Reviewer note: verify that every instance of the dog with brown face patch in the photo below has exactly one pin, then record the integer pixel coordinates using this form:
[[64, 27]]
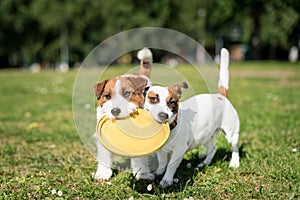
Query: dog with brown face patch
[[193, 122], [119, 98]]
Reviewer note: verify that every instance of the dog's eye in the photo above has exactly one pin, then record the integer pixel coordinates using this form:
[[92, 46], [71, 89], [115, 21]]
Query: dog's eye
[[173, 103], [107, 96], [126, 93], [153, 99]]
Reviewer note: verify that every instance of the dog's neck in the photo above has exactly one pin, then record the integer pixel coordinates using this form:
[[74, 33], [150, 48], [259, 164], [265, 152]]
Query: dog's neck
[[173, 121]]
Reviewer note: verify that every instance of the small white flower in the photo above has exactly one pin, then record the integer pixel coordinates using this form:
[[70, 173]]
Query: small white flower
[[294, 150], [269, 95], [130, 198], [87, 106], [189, 165], [149, 187], [108, 183], [53, 191], [59, 193], [185, 199], [176, 180], [191, 198], [93, 174]]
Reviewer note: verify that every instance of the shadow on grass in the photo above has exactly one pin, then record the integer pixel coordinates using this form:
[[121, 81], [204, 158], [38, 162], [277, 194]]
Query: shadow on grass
[[183, 174]]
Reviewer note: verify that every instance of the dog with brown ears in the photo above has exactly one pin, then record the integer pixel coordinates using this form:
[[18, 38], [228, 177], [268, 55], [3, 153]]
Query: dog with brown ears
[[194, 122], [118, 98]]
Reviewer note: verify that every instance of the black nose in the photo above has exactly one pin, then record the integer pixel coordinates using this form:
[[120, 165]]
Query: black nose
[[163, 116], [115, 111]]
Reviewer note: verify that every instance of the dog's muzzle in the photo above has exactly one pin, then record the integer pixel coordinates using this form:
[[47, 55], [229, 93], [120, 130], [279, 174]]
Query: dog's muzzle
[[163, 117], [115, 111]]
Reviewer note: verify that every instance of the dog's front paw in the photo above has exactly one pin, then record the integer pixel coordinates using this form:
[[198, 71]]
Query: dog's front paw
[[201, 165], [159, 171], [103, 173], [145, 176], [165, 183]]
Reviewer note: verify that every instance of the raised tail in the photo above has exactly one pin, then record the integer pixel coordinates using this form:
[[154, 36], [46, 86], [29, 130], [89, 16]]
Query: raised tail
[[145, 57], [223, 84]]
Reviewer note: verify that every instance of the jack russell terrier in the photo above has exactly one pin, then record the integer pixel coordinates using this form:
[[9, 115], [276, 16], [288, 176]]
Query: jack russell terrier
[[198, 120], [118, 98]]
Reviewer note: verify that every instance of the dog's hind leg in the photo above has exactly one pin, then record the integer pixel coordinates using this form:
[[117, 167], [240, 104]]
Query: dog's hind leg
[[235, 158], [231, 128], [232, 136], [211, 151]]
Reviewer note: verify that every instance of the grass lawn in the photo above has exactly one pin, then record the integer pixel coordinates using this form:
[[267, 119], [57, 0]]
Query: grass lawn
[[42, 157]]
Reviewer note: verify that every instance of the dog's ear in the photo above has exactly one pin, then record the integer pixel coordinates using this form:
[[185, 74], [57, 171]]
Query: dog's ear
[[178, 87], [139, 84], [99, 88]]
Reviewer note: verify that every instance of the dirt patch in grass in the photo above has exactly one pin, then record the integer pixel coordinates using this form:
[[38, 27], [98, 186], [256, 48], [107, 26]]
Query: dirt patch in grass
[[262, 73]]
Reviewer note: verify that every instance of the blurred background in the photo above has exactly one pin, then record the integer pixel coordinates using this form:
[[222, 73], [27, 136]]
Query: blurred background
[[45, 34]]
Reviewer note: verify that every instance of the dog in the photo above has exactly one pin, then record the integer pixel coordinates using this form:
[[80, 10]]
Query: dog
[[118, 98], [198, 120]]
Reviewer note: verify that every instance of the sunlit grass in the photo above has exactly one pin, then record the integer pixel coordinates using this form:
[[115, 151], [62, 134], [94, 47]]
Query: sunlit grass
[[40, 150]]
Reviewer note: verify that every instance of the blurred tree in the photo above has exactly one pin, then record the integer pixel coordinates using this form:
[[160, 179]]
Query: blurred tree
[[258, 23], [39, 30], [16, 32], [66, 24]]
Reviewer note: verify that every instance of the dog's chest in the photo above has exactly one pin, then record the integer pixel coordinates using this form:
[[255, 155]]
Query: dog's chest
[[198, 119]]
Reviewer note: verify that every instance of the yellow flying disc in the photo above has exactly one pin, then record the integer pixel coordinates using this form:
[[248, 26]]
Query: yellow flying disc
[[137, 135]]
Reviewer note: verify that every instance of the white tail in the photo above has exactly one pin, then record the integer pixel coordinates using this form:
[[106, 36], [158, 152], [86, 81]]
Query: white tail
[[145, 57], [223, 84]]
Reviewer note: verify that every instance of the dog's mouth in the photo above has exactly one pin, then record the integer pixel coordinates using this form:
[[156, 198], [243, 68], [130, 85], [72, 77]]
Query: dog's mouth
[[117, 113]]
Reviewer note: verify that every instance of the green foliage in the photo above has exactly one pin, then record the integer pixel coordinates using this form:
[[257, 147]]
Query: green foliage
[[35, 30], [277, 24], [41, 153]]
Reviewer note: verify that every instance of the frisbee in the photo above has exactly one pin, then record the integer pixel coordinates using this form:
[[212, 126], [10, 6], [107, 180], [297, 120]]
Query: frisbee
[[135, 136]]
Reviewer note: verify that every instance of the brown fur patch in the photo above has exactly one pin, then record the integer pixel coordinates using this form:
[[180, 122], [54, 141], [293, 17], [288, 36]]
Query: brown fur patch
[[178, 87], [137, 100], [172, 100], [153, 98], [223, 91], [108, 92], [99, 88], [132, 88], [145, 68], [134, 83]]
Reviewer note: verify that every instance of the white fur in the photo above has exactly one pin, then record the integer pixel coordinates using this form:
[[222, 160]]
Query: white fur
[[199, 119], [224, 69], [161, 106], [104, 157], [145, 55], [118, 101]]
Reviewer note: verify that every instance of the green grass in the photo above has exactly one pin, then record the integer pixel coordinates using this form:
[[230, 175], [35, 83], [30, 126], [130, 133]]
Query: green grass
[[40, 150]]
